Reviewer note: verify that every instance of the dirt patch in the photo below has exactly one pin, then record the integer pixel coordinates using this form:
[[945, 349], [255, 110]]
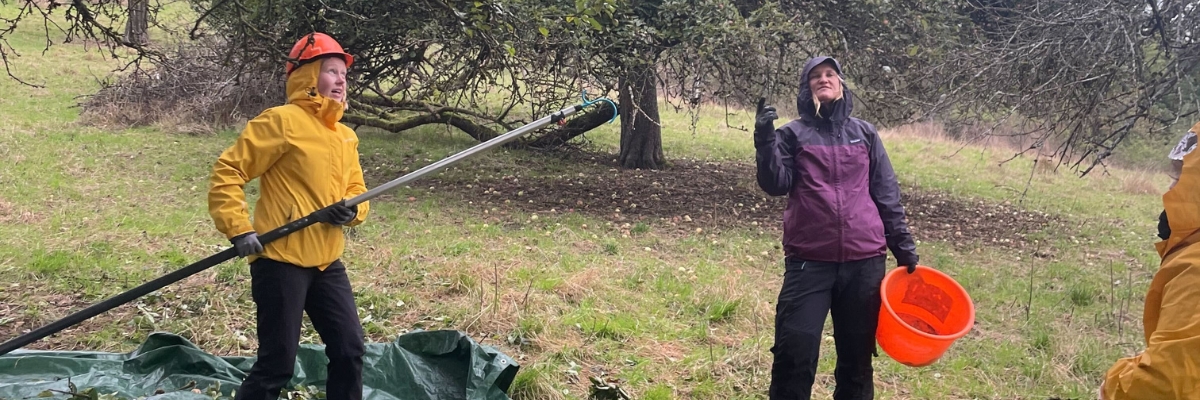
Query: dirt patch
[[942, 217], [707, 195]]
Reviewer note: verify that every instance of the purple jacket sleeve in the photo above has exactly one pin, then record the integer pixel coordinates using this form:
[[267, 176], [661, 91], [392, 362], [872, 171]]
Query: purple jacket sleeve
[[885, 190], [775, 161]]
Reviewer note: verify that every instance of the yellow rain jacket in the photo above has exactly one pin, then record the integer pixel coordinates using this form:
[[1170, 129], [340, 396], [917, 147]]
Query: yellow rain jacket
[[1169, 368], [305, 160]]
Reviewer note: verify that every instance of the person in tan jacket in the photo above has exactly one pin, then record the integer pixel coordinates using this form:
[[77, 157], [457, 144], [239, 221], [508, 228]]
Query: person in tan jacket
[[304, 160], [1169, 366]]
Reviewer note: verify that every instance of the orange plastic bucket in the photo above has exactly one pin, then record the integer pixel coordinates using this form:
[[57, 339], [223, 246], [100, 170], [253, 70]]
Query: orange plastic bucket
[[921, 315]]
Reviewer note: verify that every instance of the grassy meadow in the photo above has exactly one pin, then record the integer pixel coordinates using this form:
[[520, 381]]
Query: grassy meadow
[[575, 268]]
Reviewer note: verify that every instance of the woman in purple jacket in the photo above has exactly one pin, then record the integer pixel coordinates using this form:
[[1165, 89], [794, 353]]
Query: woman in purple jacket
[[843, 214]]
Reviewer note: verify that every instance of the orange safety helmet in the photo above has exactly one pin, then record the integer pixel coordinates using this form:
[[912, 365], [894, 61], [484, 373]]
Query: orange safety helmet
[[320, 45]]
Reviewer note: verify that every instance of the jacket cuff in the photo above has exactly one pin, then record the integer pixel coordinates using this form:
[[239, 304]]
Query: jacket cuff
[[763, 135], [235, 238], [239, 230], [360, 214]]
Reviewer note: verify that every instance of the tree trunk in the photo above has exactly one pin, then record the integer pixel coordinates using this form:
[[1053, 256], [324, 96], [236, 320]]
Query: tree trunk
[[137, 26], [641, 134]]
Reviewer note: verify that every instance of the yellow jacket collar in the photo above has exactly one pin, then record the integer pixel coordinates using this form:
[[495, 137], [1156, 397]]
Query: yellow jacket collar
[[302, 91]]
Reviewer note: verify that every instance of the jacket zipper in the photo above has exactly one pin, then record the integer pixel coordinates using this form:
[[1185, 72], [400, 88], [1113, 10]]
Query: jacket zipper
[[837, 190], [336, 161]]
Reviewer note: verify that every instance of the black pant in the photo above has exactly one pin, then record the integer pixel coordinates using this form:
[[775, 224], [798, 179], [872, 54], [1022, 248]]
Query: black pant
[[810, 290], [283, 292]]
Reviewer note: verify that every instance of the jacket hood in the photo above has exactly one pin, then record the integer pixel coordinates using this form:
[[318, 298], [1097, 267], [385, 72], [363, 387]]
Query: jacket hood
[[804, 101], [1180, 204], [302, 91]]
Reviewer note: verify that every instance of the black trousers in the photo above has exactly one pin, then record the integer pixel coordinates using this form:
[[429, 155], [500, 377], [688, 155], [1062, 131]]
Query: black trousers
[[811, 290], [283, 292]]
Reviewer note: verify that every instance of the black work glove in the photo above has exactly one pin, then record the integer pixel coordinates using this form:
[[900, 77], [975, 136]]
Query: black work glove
[[1164, 227], [909, 262], [247, 244], [337, 214], [764, 117]]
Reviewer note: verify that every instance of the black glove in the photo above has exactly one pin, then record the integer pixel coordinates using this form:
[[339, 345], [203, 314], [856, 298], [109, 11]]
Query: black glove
[[337, 214], [909, 262], [764, 118], [247, 244], [1164, 227]]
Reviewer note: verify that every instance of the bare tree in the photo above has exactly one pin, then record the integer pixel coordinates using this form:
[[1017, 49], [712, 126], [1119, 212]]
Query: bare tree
[[85, 21], [1080, 76]]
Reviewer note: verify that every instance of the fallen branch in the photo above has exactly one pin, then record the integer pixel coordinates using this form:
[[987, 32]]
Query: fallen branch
[[478, 132], [575, 127], [420, 106]]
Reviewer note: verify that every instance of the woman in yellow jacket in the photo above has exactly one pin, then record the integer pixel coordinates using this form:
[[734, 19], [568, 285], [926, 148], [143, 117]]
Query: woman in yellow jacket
[[1169, 367], [305, 160]]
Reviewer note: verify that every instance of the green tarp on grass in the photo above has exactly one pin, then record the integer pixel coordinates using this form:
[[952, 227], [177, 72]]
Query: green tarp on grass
[[444, 365]]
